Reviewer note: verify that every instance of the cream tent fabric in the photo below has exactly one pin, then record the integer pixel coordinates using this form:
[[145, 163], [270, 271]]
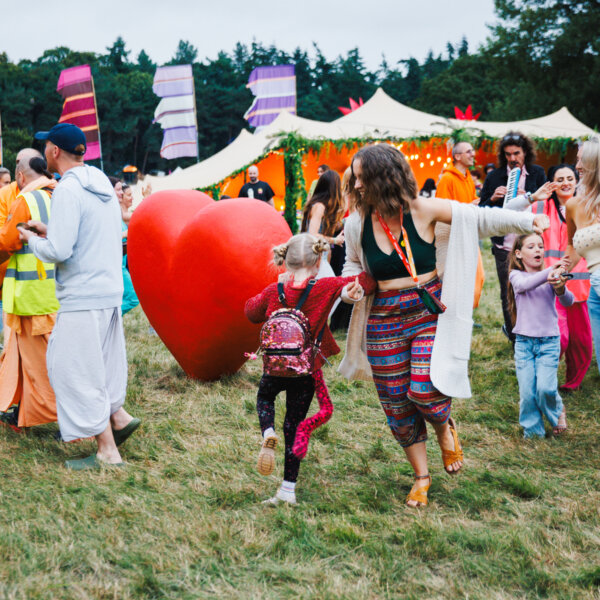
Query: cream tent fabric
[[557, 124], [242, 151], [380, 117]]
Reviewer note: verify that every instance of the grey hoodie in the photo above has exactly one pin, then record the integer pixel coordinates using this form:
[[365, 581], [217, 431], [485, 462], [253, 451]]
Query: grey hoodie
[[84, 240]]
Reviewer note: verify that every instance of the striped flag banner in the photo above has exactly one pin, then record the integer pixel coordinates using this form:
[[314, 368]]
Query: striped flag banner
[[76, 86], [176, 112], [275, 91]]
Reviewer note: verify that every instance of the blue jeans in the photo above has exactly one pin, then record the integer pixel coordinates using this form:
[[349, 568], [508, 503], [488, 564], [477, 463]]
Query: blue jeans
[[536, 360], [594, 311]]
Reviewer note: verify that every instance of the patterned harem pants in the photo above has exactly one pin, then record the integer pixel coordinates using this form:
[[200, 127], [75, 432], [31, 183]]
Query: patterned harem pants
[[400, 335]]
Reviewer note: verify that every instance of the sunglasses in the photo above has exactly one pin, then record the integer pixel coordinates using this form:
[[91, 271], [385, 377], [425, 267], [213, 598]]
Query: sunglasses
[[512, 137]]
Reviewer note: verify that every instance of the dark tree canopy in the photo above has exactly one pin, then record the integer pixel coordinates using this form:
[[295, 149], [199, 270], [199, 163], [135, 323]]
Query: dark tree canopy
[[540, 55]]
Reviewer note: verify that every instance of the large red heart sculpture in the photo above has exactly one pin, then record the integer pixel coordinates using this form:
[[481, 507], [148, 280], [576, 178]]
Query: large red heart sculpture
[[194, 263]]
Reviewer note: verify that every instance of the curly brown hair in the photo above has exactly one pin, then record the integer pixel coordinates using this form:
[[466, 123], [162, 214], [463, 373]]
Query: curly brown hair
[[388, 183], [515, 138]]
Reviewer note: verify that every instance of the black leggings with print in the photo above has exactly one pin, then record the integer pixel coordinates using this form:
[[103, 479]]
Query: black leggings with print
[[299, 395]]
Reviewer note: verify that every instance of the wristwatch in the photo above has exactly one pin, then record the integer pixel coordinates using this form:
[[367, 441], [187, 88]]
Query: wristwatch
[[529, 197]]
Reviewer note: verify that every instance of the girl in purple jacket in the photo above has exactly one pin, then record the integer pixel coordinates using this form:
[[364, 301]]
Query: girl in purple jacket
[[532, 291]]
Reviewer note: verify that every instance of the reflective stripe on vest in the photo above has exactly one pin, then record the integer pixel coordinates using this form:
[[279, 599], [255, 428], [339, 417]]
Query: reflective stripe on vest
[[555, 244], [25, 290]]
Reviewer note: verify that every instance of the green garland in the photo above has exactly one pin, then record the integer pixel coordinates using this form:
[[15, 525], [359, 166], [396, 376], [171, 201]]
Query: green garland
[[294, 147], [214, 191], [295, 186]]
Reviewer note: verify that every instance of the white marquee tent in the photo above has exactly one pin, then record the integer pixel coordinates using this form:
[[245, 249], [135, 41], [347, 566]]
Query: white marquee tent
[[380, 117]]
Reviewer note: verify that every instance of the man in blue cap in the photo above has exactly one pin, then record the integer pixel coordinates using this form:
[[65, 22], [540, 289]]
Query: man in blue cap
[[87, 365]]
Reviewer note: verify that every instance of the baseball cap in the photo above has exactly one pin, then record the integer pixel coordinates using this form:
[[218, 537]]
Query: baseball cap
[[66, 136]]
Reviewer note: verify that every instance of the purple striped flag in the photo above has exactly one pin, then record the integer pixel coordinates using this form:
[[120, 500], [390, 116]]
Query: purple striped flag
[[275, 91], [176, 112]]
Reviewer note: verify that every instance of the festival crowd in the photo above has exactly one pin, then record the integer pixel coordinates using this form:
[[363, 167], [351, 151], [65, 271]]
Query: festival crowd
[[400, 269]]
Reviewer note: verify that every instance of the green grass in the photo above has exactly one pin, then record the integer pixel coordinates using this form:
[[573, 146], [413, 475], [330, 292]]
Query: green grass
[[184, 520]]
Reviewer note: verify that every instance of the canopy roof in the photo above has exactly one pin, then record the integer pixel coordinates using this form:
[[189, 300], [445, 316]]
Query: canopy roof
[[380, 117]]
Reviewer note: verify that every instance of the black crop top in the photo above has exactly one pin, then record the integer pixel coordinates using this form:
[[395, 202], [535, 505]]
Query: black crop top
[[390, 266]]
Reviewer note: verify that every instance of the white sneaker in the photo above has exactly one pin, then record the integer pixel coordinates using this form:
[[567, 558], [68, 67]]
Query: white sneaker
[[282, 496], [266, 457]]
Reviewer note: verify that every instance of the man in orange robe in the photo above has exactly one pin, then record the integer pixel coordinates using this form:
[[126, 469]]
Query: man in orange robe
[[8, 195], [26, 396], [456, 183]]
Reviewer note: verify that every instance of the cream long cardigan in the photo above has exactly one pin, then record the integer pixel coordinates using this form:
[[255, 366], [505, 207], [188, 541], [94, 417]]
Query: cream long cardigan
[[456, 256]]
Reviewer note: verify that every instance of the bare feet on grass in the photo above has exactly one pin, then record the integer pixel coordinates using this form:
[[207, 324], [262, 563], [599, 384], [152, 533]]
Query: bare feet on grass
[[107, 450]]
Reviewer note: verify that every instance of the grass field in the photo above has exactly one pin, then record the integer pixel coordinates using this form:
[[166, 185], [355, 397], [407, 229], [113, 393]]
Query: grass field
[[184, 520]]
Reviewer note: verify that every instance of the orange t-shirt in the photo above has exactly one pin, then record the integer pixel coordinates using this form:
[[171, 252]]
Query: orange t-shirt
[[453, 185], [8, 194]]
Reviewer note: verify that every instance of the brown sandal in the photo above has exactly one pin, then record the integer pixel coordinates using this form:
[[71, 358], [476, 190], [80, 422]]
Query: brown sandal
[[561, 426], [451, 456], [420, 494]]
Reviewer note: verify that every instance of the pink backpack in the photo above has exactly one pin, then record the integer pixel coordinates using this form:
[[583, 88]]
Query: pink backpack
[[286, 343]]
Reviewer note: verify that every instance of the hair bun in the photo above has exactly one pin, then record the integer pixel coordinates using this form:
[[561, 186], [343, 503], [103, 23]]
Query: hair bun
[[320, 246], [279, 254], [38, 164]]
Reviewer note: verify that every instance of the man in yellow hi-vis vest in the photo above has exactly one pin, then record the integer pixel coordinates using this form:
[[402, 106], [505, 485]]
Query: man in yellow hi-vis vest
[[30, 304]]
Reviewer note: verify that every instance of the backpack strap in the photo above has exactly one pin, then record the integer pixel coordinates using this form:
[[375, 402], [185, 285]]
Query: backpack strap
[[281, 294], [305, 294]]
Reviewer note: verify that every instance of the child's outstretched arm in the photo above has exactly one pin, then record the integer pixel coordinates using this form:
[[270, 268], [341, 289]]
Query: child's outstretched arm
[[256, 308], [522, 281], [558, 282], [354, 291], [365, 283]]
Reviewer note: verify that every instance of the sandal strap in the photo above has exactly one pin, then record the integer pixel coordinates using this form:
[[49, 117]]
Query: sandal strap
[[428, 476], [419, 495], [452, 456]]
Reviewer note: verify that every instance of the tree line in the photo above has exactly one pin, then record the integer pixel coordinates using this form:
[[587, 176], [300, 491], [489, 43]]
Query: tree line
[[540, 55]]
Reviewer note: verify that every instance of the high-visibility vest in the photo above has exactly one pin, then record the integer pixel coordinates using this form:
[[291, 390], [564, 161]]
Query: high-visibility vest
[[29, 284], [555, 243]]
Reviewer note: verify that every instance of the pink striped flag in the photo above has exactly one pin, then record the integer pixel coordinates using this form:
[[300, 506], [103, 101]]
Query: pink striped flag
[[275, 91], [76, 86]]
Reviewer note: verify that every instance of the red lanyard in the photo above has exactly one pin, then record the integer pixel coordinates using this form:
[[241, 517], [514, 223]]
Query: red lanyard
[[408, 263]]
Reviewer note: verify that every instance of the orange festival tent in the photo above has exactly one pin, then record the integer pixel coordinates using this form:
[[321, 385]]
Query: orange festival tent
[[425, 140]]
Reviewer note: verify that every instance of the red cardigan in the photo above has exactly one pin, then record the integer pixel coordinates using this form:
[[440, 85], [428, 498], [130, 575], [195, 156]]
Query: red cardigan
[[316, 308]]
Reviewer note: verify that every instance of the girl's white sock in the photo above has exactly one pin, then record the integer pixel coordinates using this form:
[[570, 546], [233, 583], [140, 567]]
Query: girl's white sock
[[288, 486], [269, 432]]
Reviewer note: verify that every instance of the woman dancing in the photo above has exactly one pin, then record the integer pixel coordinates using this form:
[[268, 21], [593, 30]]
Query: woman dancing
[[583, 225], [417, 357]]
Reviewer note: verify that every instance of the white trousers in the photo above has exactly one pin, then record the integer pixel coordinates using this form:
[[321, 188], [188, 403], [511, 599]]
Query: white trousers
[[87, 367]]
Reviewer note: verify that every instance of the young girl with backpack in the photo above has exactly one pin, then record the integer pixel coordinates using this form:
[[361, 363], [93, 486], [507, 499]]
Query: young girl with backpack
[[532, 291], [295, 342]]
